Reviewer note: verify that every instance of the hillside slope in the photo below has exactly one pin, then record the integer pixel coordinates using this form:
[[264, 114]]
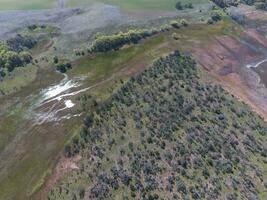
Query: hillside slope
[[169, 134]]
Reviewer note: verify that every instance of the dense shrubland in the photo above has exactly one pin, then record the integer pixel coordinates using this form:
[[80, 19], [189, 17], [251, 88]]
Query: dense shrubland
[[167, 134], [14, 53]]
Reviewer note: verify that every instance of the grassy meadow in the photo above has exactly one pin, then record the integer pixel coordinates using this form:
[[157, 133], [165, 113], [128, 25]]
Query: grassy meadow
[[128, 5], [26, 5], [160, 5]]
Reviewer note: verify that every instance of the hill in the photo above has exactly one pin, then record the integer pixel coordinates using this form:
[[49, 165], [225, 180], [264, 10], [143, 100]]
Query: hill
[[169, 134]]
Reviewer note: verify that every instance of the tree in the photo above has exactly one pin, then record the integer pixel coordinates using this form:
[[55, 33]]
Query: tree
[[26, 57], [189, 5], [81, 193], [184, 22], [63, 67], [175, 24], [215, 16], [55, 59], [2, 73], [178, 6]]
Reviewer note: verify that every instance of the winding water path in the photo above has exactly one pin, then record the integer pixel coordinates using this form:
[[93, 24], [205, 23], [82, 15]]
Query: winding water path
[[257, 64]]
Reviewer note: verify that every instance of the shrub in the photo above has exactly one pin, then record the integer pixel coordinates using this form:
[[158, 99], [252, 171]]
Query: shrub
[[55, 59], [63, 67], [179, 6], [189, 5], [175, 24], [184, 22], [215, 16], [106, 43]]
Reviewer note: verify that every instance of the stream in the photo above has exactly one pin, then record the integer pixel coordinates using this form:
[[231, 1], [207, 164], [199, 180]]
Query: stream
[[54, 102], [257, 64], [260, 68]]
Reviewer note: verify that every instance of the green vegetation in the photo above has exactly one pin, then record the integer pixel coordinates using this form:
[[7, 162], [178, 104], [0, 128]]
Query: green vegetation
[[26, 5], [259, 4], [148, 5], [226, 3], [180, 6], [168, 134], [41, 149], [13, 53], [63, 67], [126, 5], [262, 5], [215, 16], [175, 24], [104, 64], [105, 43]]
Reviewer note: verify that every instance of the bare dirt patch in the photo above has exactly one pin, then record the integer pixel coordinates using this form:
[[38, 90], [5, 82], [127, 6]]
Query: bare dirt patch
[[64, 166], [226, 59]]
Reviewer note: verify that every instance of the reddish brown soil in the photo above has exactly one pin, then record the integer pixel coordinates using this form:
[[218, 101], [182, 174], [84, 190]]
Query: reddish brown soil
[[64, 166], [226, 59]]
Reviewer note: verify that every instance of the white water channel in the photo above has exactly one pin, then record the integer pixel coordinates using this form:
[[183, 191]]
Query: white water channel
[[56, 98], [255, 65]]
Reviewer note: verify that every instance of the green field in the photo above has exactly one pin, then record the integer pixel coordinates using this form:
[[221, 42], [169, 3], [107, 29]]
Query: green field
[[160, 5], [133, 4], [164, 5], [26, 5]]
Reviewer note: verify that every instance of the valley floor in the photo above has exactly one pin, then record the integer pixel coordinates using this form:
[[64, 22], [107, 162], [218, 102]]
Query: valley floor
[[50, 110]]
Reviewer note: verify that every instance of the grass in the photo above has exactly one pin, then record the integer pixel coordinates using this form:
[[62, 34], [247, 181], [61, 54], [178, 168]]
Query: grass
[[164, 5], [104, 64], [26, 5], [19, 78], [41, 149], [160, 5], [34, 167]]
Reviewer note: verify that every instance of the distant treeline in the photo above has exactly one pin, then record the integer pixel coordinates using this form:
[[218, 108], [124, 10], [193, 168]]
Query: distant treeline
[[105, 43], [180, 6], [259, 4], [14, 53]]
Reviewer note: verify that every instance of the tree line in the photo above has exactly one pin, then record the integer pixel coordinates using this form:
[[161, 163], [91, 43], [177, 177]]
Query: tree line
[[259, 4], [105, 43], [15, 53]]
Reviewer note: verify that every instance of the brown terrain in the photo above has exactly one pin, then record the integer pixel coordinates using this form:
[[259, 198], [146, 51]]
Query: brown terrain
[[226, 57]]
